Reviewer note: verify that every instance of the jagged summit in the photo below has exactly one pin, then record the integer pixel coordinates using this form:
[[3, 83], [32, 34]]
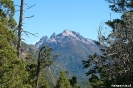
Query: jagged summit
[[64, 37], [66, 30], [53, 35], [68, 33], [44, 37]]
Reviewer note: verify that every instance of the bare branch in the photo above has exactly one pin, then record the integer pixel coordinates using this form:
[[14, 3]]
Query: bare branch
[[25, 3], [17, 10], [30, 6], [28, 17], [26, 32], [23, 39], [17, 5]]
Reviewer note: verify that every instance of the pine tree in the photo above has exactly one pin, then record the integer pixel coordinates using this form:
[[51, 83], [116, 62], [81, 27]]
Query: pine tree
[[45, 59], [115, 64], [63, 82], [12, 71], [95, 81], [121, 5], [73, 82]]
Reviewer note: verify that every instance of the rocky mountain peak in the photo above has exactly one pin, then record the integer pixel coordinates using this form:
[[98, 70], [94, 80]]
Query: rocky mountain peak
[[72, 35], [64, 37], [44, 38], [53, 35], [67, 33]]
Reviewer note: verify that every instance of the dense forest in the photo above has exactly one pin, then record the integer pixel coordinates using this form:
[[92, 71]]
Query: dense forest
[[111, 68]]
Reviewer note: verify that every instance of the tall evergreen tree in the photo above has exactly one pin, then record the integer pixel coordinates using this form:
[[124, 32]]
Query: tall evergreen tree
[[12, 71], [115, 64], [63, 82], [45, 59], [73, 82]]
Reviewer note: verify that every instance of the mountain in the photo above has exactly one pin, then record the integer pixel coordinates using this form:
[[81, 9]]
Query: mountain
[[28, 49], [72, 49]]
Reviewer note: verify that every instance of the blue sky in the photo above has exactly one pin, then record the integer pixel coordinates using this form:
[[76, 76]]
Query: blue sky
[[83, 16]]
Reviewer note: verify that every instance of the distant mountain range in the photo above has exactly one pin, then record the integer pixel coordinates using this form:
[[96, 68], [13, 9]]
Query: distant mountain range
[[72, 49]]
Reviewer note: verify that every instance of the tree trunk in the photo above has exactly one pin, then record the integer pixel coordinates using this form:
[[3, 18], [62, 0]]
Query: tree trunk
[[20, 29]]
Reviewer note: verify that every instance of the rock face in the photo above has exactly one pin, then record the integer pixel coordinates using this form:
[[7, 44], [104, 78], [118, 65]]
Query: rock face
[[72, 49]]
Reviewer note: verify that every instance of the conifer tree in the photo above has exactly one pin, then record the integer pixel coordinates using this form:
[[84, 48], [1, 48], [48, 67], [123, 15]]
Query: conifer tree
[[45, 59], [73, 82], [121, 5], [115, 64], [12, 71], [63, 82]]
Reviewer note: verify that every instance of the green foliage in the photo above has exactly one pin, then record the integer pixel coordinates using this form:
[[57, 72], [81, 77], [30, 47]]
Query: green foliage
[[95, 81], [112, 23], [7, 11], [12, 71], [121, 5], [43, 83], [63, 81], [114, 66], [31, 68], [73, 82], [45, 59]]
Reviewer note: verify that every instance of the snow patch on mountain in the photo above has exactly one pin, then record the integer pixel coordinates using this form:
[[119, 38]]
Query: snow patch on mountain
[[52, 40], [68, 33], [35, 42]]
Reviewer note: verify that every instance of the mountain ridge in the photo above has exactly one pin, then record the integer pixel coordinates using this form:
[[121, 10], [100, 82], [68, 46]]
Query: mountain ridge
[[66, 33]]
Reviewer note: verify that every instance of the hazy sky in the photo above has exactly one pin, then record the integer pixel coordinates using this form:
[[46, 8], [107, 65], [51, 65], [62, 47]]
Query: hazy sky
[[83, 16]]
